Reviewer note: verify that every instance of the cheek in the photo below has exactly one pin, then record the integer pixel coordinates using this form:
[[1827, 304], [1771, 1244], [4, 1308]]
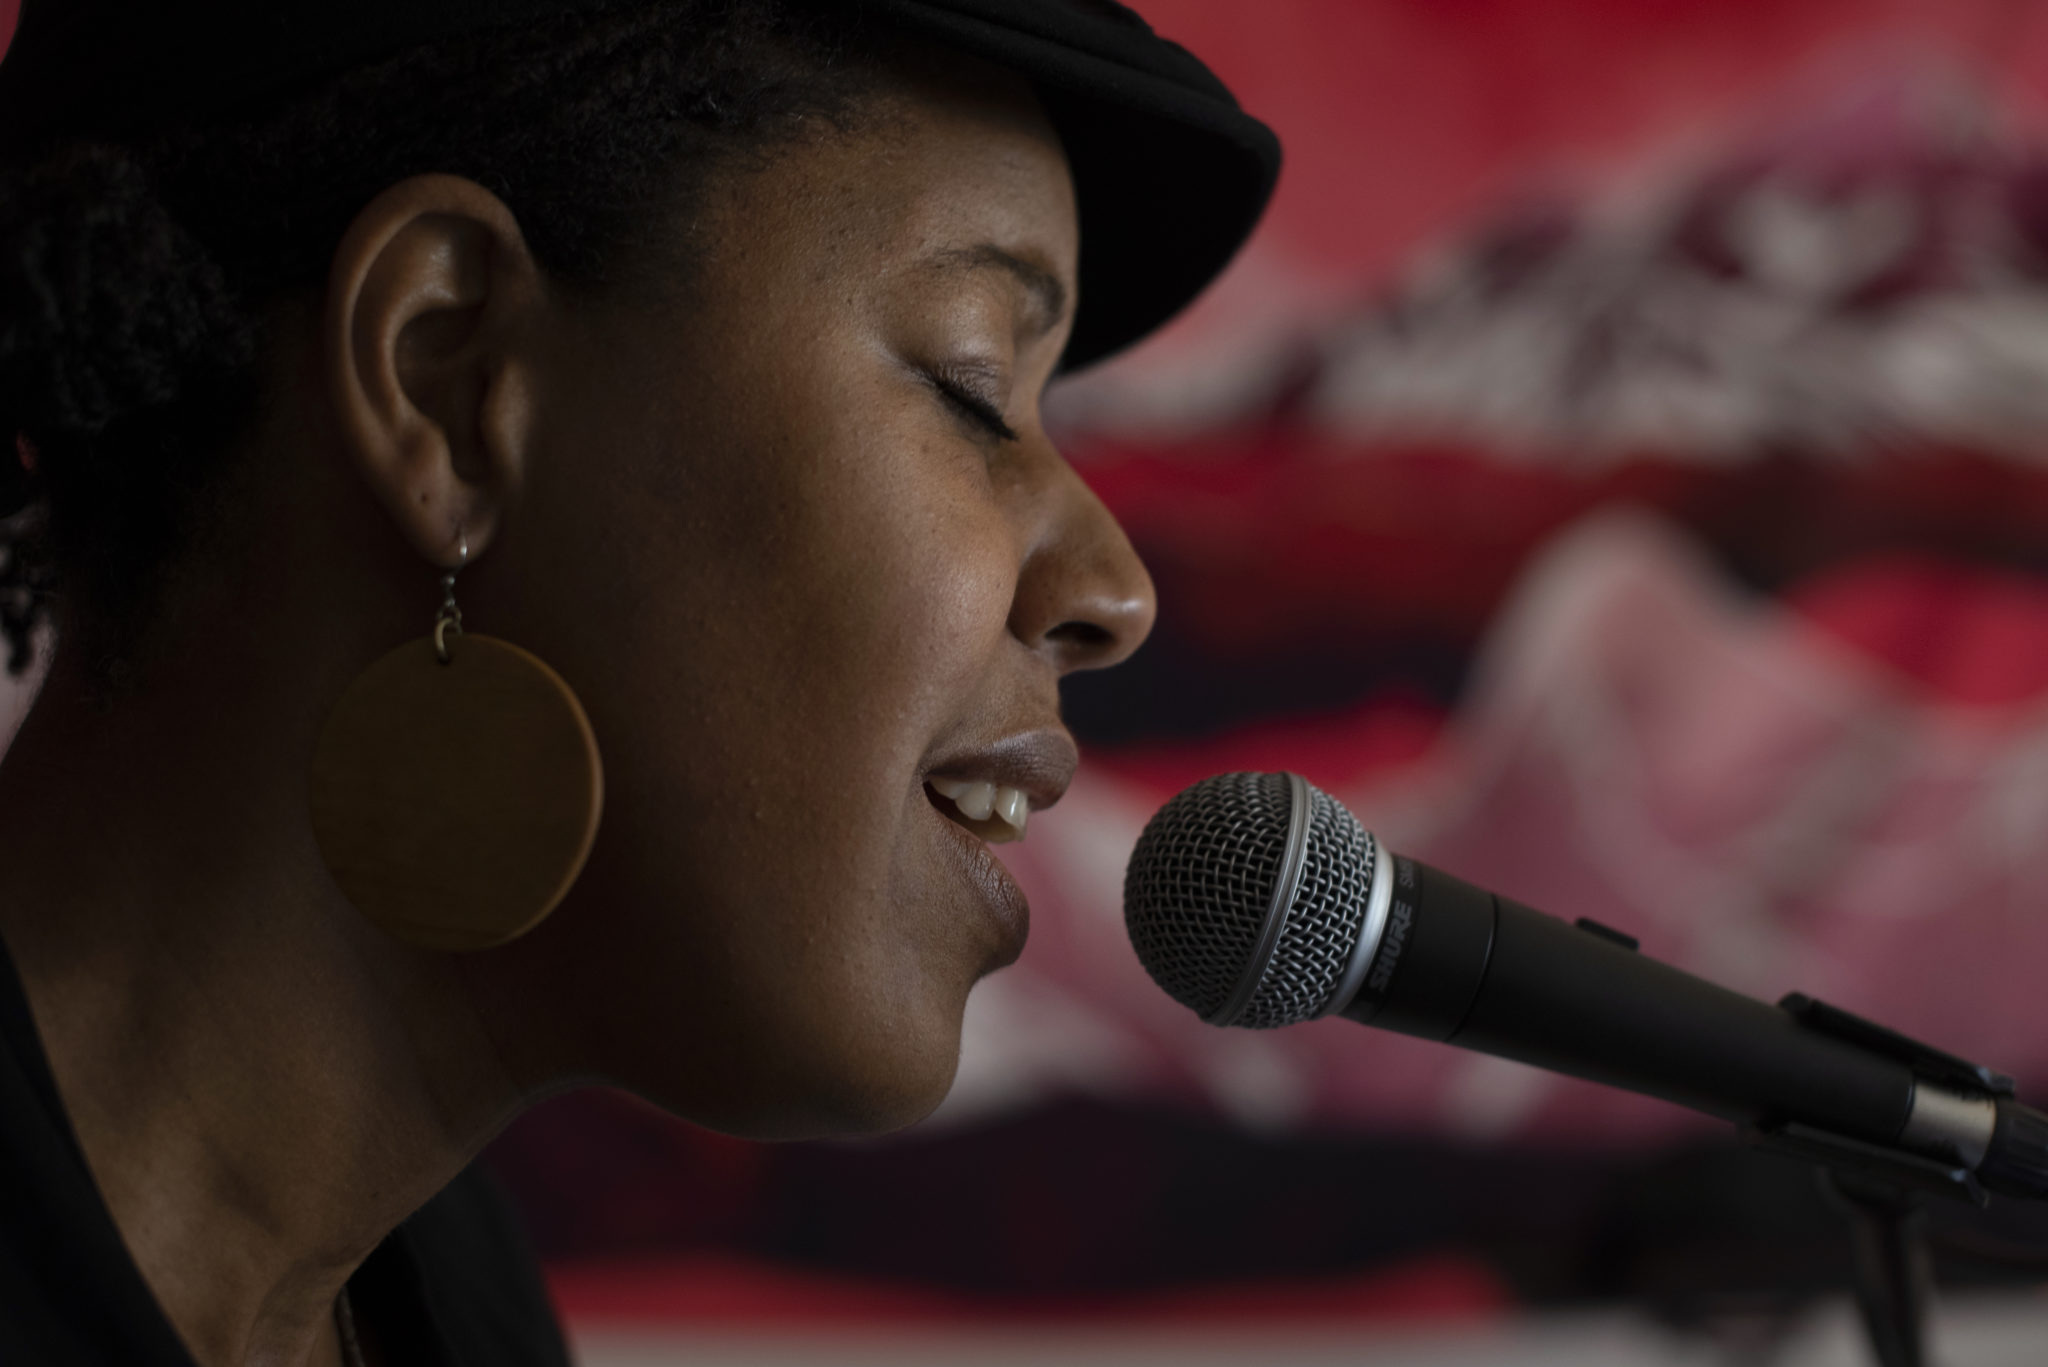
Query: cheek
[[878, 563], [940, 603], [782, 648]]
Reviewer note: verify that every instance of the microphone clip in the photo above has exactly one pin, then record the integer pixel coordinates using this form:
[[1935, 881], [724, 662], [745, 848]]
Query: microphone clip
[[1928, 1063]]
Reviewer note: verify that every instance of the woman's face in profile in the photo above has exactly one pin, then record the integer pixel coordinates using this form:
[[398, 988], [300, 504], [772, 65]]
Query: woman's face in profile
[[800, 540]]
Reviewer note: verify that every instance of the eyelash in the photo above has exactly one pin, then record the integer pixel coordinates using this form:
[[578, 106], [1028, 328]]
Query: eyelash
[[973, 406]]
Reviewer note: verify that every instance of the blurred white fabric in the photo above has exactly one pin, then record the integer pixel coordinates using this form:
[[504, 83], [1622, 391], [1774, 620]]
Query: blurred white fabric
[[1976, 1333]]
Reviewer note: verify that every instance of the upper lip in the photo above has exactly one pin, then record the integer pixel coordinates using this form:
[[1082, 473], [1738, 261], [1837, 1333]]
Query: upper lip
[[1038, 763]]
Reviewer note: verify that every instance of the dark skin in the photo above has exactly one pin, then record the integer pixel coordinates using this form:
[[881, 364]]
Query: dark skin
[[796, 536]]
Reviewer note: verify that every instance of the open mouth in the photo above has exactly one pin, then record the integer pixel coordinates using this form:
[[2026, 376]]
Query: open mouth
[[994, 812]]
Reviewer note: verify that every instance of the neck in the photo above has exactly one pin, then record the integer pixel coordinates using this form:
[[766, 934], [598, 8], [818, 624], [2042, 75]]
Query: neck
[[263, 1085]]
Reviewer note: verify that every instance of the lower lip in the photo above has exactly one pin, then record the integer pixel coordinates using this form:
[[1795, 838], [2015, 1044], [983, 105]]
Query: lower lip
[[995, 889]]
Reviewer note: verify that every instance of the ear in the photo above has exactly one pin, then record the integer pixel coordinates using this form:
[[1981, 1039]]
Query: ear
[[431, 306]]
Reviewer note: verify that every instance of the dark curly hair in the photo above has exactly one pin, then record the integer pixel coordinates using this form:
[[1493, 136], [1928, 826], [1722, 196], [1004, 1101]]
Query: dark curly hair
[[135, 278]]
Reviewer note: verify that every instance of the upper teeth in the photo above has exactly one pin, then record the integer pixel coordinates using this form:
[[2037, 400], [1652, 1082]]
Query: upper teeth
[[979, 800]]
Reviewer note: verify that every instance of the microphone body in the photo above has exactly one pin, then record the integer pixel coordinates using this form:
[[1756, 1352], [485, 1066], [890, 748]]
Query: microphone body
[[1485, 973], [1256, 899]]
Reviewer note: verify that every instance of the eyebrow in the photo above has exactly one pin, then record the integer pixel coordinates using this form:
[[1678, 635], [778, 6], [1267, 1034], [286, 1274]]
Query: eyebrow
[[1048, 293]]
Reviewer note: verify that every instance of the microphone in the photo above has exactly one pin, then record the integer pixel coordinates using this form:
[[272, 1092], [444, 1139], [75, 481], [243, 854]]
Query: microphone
[[1258, 900]]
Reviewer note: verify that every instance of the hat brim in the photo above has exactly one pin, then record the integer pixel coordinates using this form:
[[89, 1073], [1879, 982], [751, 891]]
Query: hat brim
[[1170, 175]]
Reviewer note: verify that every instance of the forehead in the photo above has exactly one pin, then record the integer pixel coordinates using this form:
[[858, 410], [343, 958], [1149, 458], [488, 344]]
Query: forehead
[[953, 156]]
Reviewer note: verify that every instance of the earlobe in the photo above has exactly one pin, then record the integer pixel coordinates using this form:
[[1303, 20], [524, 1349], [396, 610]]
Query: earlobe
[[429, 306]]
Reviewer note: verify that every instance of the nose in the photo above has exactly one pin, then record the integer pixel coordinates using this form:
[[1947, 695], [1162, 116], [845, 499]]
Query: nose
[[1084, 598]]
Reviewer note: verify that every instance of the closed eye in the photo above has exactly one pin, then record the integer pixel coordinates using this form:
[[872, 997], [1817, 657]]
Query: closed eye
[[978, 408]]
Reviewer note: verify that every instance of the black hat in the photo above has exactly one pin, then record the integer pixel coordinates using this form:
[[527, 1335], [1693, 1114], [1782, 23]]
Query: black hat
[[1171, 175]]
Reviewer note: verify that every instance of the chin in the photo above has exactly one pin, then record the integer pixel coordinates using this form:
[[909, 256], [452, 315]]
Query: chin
[[860, 1118], [869, 1085], [844, 1113], [880, 1105], [881, 1060]]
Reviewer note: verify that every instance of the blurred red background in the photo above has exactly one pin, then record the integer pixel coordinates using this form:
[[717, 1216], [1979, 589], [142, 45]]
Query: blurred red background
[[1616, 469]]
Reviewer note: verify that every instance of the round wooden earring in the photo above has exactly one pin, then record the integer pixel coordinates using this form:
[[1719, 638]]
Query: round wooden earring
[[456, 790]]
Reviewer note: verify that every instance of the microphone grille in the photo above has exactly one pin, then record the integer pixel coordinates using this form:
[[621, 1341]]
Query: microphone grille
[[1201, 882]]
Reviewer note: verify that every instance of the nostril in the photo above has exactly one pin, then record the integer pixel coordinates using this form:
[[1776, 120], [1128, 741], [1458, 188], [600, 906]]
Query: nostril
[[1083, 644], [1088, 636]]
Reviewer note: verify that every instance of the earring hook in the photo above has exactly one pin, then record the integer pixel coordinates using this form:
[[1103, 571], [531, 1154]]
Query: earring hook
[[450, 616]]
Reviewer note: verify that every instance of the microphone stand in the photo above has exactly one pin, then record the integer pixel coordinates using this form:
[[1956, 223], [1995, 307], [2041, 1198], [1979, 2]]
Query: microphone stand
[[1894, 1274], [1882, 1190]]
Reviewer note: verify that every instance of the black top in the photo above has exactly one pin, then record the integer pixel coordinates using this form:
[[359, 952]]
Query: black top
[[454, 1286]]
